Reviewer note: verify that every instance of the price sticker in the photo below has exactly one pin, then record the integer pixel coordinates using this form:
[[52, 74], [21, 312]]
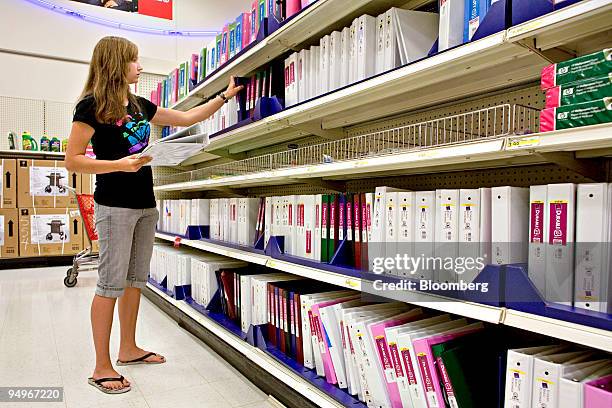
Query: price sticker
[[516, 143], [177, 242]]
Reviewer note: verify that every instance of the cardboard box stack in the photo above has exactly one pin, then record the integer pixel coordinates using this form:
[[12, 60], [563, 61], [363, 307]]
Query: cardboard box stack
[[38, 214], [9, 241]]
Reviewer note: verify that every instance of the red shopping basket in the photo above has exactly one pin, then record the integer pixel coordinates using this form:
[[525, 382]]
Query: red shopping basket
[[86, 208]]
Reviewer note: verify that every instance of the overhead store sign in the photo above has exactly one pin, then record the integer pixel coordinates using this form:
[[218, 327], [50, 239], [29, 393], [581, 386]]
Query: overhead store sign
[[154, 8]]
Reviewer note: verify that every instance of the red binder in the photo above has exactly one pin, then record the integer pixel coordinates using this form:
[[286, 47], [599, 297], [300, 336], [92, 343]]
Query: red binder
[[271, 316], [282, 306]]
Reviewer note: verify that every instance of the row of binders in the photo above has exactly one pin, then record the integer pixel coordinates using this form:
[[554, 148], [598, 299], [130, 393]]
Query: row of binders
[[265, 83], [371, 45], [563, 232], [176, 215], [183, 267], [396, 355], [233, 38]]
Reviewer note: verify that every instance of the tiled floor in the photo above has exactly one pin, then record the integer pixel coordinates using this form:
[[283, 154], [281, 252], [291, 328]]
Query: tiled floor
[[45, 340]]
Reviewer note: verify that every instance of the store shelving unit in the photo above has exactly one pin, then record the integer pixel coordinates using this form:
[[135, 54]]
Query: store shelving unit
[[510, 57], [513, 57], [31, 154], [576, 333]]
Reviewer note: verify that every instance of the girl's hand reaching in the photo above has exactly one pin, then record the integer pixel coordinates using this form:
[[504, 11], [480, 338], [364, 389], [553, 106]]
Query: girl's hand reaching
[[232, 90]]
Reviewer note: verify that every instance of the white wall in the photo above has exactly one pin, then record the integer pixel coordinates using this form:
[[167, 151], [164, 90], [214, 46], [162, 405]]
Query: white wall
[[28, 28]]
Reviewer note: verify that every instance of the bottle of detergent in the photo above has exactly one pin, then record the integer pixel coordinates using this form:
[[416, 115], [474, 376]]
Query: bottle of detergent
[[28, 142], [55, 144], [11, 140], [44, 143], [64, 144]]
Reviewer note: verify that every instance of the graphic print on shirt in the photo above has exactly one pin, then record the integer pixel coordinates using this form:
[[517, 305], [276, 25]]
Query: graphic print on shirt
[[136, 129]]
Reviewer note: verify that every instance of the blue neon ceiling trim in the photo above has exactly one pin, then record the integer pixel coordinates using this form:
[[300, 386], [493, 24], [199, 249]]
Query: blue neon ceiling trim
[[123, 26]]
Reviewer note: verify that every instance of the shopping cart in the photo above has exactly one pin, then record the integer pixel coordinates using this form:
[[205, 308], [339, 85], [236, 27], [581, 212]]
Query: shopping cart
[[87, 259]]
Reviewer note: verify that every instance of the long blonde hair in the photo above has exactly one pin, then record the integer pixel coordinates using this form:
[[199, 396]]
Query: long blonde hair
[[107, 80]]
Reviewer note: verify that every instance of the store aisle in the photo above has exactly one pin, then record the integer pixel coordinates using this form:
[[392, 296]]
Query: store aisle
[[45, 341]]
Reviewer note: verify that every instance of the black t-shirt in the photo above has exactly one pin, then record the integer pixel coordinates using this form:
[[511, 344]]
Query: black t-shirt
[[112, 142]]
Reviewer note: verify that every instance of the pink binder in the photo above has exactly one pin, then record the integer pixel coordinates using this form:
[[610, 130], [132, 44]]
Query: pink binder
[[598, 393], [377, 331], [328, 365], [425, 361]]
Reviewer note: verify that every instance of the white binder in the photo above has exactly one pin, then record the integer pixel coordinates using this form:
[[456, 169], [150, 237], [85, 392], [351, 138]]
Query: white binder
[[329, 318], [571, 384], [405, 236], [380, 44], [318, 214], [538, 236], [510, 210], [547, 371], [377, 243], [474, 229], [353, 51], [345, 56], [335, 46], [366, 47], [247, 220], [593, 284], [313, 71], [416, 32], [424, 235], [268, 217], [452, 14], [519, 374], [391, 227], [323, 75], [561, 203], [302, 78], [447, 232]]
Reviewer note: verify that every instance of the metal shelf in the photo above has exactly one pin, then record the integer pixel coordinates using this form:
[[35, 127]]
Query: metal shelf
[[257, 356], [319, 18], [585, 335], [489, 153], [486, 65], [31, 154], [588, 336]]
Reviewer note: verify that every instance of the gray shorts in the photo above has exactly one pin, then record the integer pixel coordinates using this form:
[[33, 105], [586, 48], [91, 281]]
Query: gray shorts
[[126, 238]]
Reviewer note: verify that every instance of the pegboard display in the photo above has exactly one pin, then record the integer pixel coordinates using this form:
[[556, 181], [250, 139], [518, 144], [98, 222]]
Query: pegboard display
[[20, 115], [58, 119]]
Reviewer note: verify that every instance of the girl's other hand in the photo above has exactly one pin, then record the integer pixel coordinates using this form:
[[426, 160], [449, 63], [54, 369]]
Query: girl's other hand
[[132, 163]]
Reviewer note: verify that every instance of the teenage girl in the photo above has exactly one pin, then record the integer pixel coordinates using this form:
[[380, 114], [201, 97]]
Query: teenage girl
[[118, 124]]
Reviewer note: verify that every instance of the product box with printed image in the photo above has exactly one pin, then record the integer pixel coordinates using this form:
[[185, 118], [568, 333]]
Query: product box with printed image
[[8, 183], [42, 184], [578, 115], [9, 236], [50, 231]]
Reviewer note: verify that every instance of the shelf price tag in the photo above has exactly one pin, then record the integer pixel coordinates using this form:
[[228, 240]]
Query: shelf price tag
[[177, 242], [351, 283], [271, 264], [522, 142]]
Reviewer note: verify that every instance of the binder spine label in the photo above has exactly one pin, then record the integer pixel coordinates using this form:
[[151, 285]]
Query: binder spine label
[[397, 364], [324, 222], [349, 221], [381, 345], [409, 367], [428, 385], [537, 221], [558, 223], [448, 387], [341, 221]]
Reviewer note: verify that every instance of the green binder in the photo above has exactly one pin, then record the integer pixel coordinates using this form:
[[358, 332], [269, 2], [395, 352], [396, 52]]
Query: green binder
[[470, 369], [325, 228]]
